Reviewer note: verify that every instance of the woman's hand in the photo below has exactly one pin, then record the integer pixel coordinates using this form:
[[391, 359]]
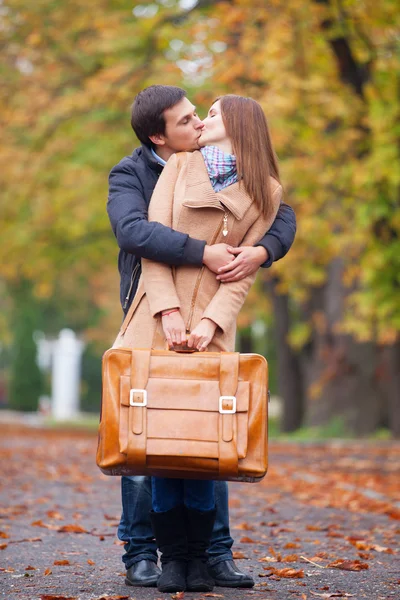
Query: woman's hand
[[202, 335], [174, 328]]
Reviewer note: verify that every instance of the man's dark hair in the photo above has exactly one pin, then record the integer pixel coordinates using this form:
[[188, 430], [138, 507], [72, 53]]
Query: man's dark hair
[[148, 110]]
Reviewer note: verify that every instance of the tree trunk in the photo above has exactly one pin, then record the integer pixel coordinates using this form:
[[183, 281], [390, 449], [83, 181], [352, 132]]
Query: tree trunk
[[289, 372], [340, 373]]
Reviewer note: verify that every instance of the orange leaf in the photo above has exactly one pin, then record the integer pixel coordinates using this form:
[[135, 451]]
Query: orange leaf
[[236, 555], [178, 596], [61, 563], [30, 568], [247, 540], [4, 535], [90, 562], [51, 597], [72, 529], [52, 514], [348, 565], [48, 572], [244, 527], [288, 573], [3, 546], [290, 558], [290, 545]]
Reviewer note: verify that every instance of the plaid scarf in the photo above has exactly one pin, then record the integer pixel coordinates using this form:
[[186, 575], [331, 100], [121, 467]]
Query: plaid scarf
[[221, 167]]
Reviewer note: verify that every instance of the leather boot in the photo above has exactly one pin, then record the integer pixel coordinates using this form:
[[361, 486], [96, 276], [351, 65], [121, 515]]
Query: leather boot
[[170, 532], [199, 525]]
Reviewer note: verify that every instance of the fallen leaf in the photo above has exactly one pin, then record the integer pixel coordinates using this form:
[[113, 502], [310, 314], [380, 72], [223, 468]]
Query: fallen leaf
[[288, 573], [30, 568], [45, 525], [72, 529], [178, 596], [52, 514], [61, 563], [332, 595], [236, 555], [244, 527], [48, 572], [35, 539], [247, 540], [111, 518], [90, 562], [51, 597], [290, 558], [3, 546], [268, 559], [4, 535], [112, 598], [348, 565], [291, 545]]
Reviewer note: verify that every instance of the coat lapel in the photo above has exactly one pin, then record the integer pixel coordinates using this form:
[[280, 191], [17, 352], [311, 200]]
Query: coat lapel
[[200, 193]]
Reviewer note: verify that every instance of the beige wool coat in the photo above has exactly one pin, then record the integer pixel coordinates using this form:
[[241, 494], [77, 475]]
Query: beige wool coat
[[184, 200]]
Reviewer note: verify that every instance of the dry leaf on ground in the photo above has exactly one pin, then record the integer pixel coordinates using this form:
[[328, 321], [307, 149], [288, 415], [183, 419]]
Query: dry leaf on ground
[[348, 565], [61, 563], [72, 529], [332, 595], [51, 597], [287, 572], [48, 572], [237, 555]]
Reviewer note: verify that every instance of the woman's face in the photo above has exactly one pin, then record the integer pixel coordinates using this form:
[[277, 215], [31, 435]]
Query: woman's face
[[214, 129]]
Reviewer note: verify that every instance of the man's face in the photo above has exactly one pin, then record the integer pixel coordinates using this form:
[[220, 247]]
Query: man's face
[[182, 129]]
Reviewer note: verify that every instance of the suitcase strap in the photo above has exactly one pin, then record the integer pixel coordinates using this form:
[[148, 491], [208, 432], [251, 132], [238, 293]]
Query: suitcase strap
[[140, 368], [228, 383]]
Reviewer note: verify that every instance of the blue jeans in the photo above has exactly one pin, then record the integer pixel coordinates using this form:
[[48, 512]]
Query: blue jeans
[[167, 493], [135, 527]]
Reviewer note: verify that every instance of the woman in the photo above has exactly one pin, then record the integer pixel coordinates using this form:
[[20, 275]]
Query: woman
[[229, 191]]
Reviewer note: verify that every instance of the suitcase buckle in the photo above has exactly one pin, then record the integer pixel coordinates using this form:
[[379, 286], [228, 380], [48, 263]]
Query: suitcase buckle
[[131, 397], [227, 411]]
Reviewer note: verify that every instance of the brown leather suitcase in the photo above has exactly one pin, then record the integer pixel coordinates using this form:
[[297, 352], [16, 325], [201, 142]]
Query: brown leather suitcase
[[201, 415]]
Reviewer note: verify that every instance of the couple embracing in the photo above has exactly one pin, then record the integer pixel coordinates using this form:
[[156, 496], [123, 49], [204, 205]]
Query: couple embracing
[[189, 257]]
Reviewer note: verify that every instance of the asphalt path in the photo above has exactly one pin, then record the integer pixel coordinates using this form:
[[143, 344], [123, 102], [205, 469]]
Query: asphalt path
[[324, 523]]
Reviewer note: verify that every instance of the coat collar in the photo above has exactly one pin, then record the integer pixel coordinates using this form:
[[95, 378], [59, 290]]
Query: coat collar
[[200, 193]]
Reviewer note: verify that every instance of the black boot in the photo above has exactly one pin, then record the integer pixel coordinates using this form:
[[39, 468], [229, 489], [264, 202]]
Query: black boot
[[170, 532], [199, 525]]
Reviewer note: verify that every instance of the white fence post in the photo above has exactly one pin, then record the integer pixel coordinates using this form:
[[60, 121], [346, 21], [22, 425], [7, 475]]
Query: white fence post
[[66, 371]]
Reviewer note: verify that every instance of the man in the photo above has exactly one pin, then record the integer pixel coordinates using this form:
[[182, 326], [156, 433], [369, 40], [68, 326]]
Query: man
[[166, 122]]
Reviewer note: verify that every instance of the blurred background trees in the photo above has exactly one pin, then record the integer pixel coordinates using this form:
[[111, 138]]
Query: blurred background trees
[[327, 74]]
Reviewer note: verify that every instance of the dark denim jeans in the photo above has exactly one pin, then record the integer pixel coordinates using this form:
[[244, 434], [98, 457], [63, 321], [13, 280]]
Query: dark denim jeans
[[135, 527], [168, 493]]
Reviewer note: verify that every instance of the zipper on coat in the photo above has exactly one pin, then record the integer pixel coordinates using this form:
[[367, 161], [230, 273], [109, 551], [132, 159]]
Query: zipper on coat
[[134, 272], [200, 275]]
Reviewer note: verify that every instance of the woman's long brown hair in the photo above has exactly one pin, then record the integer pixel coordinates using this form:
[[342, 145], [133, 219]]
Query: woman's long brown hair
[[256, 161]]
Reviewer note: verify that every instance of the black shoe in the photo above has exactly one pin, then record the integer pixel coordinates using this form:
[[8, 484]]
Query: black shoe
[[173, 577], [198, 578], [144, 573], [226, 574]]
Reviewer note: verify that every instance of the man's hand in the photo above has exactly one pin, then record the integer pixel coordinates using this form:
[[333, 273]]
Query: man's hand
[[174, 328], [202, 335], [217, 256], [248, 259]]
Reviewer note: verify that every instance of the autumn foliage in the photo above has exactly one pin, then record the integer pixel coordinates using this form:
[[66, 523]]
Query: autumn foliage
[[325, 74]]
